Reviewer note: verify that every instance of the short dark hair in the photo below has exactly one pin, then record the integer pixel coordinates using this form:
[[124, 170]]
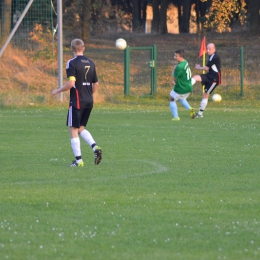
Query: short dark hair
[[180, 52], [77, 45]]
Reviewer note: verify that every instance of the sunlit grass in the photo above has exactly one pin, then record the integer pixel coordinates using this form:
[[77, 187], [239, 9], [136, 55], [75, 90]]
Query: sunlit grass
[[164, 190]]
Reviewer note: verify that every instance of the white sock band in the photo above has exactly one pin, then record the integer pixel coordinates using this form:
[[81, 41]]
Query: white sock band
[[87, 137], [75, 145], [203, 104]]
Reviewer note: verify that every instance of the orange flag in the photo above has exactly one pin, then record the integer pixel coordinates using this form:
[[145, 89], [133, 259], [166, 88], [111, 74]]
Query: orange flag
[[203, 47]]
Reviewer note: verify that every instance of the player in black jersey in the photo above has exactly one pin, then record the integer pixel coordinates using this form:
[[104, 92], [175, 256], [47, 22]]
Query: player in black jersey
[[211, 79], [82, 83]]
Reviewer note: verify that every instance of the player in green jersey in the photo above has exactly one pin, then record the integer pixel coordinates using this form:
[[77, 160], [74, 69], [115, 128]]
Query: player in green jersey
[[182, 85]]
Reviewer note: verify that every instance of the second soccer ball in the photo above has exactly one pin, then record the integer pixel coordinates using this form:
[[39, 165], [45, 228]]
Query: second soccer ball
[[216, 98]]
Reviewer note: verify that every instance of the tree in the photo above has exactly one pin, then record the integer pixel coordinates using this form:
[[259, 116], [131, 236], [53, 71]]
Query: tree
[[253, 9], [201, 8], [139, 14], [85, 20], [184, 8], [1, 18], [5, 20], [163, 17], [155, 23], [144, 7], [136, 14], [223, 12]]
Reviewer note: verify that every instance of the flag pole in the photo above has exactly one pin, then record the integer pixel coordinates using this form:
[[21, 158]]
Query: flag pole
[[203, 65], [203, 54]]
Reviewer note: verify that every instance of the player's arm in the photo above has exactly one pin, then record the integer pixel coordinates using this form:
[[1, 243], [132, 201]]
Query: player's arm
[[68, 85], [198, 67], [173, 70], [174, 80], [173, 75], [94, 87]]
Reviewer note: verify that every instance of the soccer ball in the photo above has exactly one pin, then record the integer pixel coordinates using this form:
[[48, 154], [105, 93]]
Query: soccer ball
[[216, 98], [121, 44]]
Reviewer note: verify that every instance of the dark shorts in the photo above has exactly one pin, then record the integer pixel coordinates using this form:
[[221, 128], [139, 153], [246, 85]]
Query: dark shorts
[[78, 117], [209, 84]]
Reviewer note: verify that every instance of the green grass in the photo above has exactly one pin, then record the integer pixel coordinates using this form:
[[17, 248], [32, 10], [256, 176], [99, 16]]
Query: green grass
[[164, 190]]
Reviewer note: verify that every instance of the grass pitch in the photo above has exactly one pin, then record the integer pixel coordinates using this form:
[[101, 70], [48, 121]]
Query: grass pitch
[[164, 190]]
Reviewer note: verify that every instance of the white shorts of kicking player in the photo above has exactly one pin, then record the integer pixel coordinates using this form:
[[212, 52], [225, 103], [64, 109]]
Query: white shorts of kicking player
[[177, 96]]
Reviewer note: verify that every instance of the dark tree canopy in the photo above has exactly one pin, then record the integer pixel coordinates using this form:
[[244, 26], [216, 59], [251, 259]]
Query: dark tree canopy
[[100, 16], [254, 18]]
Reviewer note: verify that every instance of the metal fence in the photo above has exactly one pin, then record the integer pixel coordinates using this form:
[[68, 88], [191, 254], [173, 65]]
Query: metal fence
[[41, 12]]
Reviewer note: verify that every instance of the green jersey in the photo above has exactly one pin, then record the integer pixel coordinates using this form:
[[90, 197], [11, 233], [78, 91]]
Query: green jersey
[[182, 73]]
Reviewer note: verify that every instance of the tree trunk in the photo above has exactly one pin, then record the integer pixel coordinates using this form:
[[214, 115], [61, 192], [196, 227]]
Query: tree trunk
[[5, 19], [185, 22], [144, 7], [179, 14], [155, 23], [1, 18], [85, 20], [197, 10], [163, 17], [253, 8], [136, 15]]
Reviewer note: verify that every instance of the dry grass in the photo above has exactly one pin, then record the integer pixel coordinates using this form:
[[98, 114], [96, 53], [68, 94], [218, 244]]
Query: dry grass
[[24, 81]]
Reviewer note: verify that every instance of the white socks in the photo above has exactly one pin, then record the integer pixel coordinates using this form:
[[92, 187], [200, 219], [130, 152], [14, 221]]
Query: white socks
[[203, 105], [75, 145], [88, 138]]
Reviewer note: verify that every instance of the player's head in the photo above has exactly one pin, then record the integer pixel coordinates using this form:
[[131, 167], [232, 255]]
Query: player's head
[[77, 46], [179, 55], [211, 48]]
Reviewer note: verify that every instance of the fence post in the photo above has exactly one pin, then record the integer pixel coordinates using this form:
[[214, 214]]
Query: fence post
[[241, 71], [60, 46], [154, 79], [127, 71], [151, 65]]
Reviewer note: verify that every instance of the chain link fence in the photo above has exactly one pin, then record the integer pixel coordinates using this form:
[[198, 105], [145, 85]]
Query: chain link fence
[[38, 20]]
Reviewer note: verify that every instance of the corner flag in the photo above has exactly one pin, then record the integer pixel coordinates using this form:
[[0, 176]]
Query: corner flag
[[202, 47]]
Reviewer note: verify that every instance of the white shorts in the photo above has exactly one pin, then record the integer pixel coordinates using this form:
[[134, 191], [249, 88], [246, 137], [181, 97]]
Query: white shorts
[[177, 96]]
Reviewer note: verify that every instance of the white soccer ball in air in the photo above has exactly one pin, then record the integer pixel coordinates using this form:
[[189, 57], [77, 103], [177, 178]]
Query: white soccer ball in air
[[121, 44], [216, 98]]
